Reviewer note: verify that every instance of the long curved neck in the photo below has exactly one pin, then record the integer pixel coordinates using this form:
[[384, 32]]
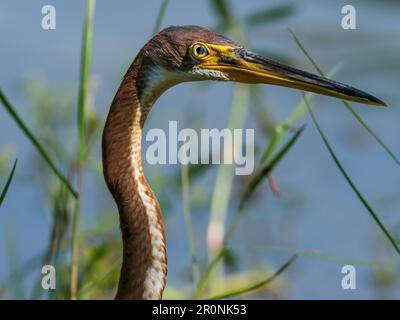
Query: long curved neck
[[144, 268]]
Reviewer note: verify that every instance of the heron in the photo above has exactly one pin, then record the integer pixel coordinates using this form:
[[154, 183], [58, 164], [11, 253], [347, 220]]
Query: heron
[[174, 55]]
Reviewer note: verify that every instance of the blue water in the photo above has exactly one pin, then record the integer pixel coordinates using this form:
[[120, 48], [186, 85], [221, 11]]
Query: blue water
[[317, 210]]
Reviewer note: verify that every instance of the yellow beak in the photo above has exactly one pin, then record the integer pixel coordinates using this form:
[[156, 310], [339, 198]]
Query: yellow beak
[[240, 65]]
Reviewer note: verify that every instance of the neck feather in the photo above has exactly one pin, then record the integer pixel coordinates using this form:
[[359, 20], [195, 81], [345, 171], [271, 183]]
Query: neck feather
[[144, 268]]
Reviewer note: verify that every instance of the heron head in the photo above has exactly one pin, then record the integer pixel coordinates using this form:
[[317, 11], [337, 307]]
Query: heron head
[[194, 53]]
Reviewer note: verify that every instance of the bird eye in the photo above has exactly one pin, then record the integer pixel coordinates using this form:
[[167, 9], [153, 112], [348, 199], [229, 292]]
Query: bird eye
[[199, 51]]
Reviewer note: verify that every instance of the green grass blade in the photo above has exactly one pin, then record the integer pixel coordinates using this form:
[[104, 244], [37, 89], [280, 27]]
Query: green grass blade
[[260, 176], [86, 57], [350, 182], [347, 105], [42, 151], [372, 133], [305, 52], [204, 280], [160, 16], [257, 285], [7, 185]]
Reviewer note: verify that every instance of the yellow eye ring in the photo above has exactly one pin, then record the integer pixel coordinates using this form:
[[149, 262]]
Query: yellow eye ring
[[199, 50]]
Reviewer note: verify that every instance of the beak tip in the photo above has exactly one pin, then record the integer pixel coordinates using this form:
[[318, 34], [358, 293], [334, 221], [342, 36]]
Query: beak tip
[[370, 99], [378, 102]]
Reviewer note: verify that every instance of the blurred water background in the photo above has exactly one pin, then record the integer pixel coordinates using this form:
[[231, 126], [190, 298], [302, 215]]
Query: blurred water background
[[317, 215]]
